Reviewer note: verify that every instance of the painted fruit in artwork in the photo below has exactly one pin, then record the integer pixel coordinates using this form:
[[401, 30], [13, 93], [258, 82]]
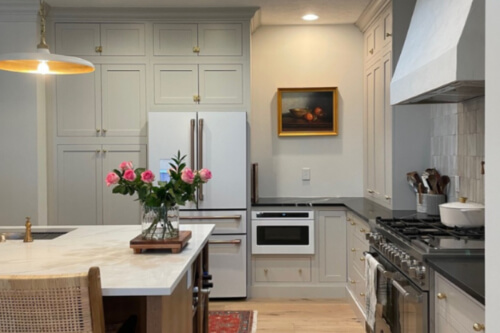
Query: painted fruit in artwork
[[318, 111], [309, 116]]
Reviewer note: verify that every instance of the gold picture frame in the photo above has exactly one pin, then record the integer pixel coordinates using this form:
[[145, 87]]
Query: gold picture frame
[[307, 111]]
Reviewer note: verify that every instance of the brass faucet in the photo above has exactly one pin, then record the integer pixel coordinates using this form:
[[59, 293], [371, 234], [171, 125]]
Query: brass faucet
[[27, 235]]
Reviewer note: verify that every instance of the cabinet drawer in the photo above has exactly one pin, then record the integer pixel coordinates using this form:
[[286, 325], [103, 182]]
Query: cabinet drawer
[[283, 269], [226, 222], [457, 308], [358, 258], [357, 285]]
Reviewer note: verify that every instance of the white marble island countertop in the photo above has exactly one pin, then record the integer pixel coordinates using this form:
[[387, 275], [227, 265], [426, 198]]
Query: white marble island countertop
[[123, 273]]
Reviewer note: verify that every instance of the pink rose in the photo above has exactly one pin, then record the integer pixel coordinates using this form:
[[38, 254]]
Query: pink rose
[[187, 175], [126, 165], [112, 178], [205, 174], [129, 175], [148, 176]]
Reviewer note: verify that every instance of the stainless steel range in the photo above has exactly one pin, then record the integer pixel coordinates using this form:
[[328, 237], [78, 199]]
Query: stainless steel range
[[401, 246]]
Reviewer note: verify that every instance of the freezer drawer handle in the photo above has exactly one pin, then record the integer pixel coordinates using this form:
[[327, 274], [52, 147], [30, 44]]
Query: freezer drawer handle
[[228, 217], [218, 242], [200, 155]]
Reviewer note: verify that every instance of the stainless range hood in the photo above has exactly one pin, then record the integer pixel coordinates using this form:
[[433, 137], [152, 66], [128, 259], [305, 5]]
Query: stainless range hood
[[442, 60]]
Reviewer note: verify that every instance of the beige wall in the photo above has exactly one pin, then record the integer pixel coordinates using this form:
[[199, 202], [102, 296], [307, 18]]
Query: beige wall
[[308, 56]]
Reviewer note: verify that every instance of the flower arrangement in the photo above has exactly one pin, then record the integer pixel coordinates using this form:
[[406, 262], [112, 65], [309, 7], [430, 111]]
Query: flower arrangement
[[179, 189]]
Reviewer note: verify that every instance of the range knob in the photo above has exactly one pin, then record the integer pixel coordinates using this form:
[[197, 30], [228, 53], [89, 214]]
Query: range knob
[[405, 262], [415, 267], [420, 272]]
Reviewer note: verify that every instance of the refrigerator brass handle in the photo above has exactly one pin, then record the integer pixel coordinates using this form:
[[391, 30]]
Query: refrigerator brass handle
[[229, 242], [226, 217], [192, 144], [200, 155]]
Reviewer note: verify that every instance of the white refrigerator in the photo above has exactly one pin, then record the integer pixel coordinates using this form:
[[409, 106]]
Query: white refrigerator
[[216, 141]]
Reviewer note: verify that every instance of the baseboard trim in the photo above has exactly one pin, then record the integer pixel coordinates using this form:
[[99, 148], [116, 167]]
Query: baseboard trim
[[298, 291]]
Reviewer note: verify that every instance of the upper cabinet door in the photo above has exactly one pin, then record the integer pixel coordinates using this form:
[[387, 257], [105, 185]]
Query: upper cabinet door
[[223, 147], [175, 39], [221, 84], [176, 84], [111, 39], [124, 100], [220, 39], [122, 39], [77, 38], [78, 104]]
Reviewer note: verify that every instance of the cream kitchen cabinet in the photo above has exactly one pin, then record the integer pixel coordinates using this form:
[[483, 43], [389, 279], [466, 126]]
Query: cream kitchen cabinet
[[192, 39], [454, 310], [82, 195], [378, 37], [332, 246], [110, 102], [203, 84], [94, 39], [357, 244]]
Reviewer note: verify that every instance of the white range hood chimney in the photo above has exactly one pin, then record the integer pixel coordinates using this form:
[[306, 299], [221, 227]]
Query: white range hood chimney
[[442, 60]]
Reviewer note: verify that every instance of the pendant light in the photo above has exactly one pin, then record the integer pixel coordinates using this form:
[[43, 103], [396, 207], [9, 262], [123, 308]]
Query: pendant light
[[42, 61]]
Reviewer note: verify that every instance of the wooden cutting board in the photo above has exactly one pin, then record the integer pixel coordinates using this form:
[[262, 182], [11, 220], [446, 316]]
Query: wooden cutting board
[[174, 244]]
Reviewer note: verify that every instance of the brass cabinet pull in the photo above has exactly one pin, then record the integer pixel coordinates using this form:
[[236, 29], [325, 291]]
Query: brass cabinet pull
[[104, 151], [478, 327], [353, 250], [191, 152], [196, 49], [362, 259], [370, 191], [441, 296], [265, 270], [362, 230], [387, 197], [352, 282], [98, 49], [200, 155], [371, 51], [300, 270], [348, 218], [104, 130], [98, 130], [362, 294], [228, 242], [388, 34], [352, 223], [196, 98]]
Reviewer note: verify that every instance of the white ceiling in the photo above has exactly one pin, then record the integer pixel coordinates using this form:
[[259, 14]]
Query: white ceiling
[[273, 12]]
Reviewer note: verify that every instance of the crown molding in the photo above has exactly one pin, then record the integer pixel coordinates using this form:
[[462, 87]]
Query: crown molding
[[256, 21], [19, 10], [370, 13], [96, 14]]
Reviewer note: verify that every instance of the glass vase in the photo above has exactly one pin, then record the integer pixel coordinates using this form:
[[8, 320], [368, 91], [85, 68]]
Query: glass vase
[[160, 223]]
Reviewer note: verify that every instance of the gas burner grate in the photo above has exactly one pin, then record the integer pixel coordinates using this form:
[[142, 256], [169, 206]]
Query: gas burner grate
[[428, 228]]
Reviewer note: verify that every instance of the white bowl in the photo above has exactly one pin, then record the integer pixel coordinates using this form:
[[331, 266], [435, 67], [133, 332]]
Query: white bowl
[[462, 214]]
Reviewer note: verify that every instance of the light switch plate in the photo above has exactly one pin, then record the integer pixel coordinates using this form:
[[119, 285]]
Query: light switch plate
[[306, 174]]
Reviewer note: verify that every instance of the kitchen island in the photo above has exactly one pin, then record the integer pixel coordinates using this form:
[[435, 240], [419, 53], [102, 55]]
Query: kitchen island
[[155, 286]]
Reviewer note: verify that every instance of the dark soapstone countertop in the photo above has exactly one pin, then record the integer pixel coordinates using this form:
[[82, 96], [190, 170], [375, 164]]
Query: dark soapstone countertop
[[467, 272], [362, 207]]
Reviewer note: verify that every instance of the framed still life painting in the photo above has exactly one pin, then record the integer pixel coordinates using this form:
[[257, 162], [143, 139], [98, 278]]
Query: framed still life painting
[[307, 111]]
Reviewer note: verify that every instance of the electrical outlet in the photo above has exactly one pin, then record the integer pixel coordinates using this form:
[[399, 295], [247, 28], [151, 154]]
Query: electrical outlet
[[306, 174]]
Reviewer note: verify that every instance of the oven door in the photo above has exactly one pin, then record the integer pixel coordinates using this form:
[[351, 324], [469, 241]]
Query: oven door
[[403, 308]]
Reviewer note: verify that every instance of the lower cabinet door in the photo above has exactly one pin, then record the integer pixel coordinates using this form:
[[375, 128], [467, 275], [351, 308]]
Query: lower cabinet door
[[228, 265]]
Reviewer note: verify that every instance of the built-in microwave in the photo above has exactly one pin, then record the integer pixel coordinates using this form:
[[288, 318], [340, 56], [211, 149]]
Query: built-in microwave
[[282, 232]]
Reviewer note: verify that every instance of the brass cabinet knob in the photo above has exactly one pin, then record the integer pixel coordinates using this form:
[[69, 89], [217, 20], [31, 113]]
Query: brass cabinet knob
[[362, 259], [478, 327], [348, 218], [362, 294], [104, 130], [371, 51], [352, 282], [196, 49], [265, 270], [98, 151], [370, 191], [362, 230], [441, 296], [98, 49], [388, 34], [387, 197], [98, 130], [300, 271], [352, 223], [353, 249], [104, 151]]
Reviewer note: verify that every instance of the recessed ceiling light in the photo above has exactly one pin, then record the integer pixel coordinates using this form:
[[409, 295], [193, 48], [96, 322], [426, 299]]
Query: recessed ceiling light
[[310, 17]]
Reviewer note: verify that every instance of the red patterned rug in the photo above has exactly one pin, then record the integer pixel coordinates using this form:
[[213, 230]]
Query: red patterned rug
[[232, 322]]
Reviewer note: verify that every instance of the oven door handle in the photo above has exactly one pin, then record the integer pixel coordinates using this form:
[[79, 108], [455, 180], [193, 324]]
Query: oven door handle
[[406, 294]]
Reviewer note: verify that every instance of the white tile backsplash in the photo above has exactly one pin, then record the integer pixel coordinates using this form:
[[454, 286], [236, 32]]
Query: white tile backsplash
[[457, 146]]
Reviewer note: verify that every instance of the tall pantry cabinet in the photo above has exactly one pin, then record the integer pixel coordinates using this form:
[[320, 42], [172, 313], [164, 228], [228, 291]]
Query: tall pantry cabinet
[[378, 111], [163, 61]]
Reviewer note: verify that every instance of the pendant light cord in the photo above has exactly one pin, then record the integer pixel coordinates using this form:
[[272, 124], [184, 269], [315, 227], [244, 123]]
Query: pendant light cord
[[42, 12]]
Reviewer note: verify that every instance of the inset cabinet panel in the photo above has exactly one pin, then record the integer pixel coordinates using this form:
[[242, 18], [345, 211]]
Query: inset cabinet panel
[[124, 100], [175, 39], [332, 246], [122, 39], [78, 104], [220, 39], [79, 182], [117, 208], [221, 84], [77, 38], [282, 269], [176, 84], [84, 39]]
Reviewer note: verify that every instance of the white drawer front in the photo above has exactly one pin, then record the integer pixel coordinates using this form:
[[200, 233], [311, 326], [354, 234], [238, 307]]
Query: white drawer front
[[283, 269], [228, 265], [226, 222]]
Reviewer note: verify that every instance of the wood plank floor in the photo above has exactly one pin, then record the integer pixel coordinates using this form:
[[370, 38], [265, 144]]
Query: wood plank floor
[[297, 315]]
